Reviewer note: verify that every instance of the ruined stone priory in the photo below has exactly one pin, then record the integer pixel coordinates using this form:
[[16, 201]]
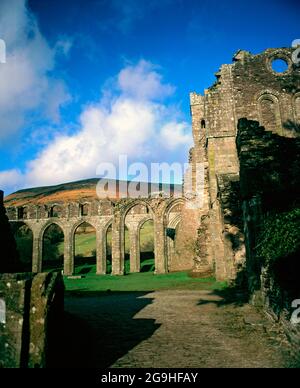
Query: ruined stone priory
[[207, 240]]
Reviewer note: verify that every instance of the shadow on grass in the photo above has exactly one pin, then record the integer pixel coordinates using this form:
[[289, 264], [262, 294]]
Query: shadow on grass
[[100, 327]]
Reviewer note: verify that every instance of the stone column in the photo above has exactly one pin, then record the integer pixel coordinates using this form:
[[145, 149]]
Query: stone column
[[68, 252], [160, 247], [135, 262], [118, 246], [101, 251], [37, 251]]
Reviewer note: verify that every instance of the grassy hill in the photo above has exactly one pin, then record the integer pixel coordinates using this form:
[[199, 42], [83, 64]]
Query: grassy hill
[[72, 191]]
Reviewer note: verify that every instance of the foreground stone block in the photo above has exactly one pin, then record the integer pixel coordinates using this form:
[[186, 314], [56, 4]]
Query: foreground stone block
[[33, 312]]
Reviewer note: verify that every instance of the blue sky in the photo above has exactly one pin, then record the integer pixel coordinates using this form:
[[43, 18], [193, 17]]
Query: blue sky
[[88, 80]]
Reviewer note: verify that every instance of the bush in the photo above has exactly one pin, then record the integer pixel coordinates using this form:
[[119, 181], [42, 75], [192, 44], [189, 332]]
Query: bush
[[279, 236]]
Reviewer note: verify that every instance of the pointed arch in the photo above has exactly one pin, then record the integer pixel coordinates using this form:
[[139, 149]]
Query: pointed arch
[[52, 244], [269, 112], [85, 250], [146, 249], [172, 218]]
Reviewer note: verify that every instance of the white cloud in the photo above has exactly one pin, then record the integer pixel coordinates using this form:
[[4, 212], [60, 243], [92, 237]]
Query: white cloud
[[143, 82], [133, 117], [25, 84], [13, 179], [132, 123], [174, 135]]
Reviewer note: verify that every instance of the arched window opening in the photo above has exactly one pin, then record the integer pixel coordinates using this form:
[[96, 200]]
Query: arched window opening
[[138, 238], [84, 210], [55, 212], [269, 113], [202, 124]]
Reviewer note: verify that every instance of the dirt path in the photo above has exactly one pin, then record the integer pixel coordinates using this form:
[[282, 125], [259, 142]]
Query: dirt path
[[169, 329]]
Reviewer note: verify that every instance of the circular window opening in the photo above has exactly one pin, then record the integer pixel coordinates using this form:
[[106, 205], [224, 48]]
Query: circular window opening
[[279, 65]]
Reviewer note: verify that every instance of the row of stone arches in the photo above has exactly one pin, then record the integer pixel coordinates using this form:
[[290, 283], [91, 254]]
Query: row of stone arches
[[119, 242], [85, 246]]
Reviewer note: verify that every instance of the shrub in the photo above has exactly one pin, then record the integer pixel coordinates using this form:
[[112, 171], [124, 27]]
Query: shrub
[[279, 236]]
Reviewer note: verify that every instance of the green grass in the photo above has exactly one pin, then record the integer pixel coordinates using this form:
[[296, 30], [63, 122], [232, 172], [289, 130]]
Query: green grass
[[141, 282], [85, 243]]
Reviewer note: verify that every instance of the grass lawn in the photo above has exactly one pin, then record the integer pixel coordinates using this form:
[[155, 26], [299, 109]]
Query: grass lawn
[[85, 243], [146, 281]]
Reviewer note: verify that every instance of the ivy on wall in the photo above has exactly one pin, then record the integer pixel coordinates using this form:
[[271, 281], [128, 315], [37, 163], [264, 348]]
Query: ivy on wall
[[279, 236]]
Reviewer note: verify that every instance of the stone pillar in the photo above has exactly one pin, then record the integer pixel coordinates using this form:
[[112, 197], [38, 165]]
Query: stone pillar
[[37, 251], [160, 247], [118, 251], [68, 252], [101, 251], [135, 262]]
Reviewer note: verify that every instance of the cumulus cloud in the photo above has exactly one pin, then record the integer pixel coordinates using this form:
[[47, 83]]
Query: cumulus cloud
[[132, 117], [25, 81], [175, 135], [131, 123], [12, 179], [143, 82]]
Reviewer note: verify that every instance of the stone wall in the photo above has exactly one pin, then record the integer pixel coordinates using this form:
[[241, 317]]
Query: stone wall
[[100, 215], [270, 188], [247, 88], [32, 319]]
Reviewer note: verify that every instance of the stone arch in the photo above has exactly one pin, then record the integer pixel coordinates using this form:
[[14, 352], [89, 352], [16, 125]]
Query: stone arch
[[143, 221], [269, 112], [122, 208], [83, 263], [55, 260], [136, 202], [170, 205], [171, 226], [78, 223], [143, 256], [134, 226], [55, 211], [46, 226], [175, 221]]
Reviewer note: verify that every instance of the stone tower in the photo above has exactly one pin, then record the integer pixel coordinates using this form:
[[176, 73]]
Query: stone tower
[[248, 88]]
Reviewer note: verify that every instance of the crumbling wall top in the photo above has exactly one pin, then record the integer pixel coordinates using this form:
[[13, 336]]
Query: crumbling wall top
[[196, 99]]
